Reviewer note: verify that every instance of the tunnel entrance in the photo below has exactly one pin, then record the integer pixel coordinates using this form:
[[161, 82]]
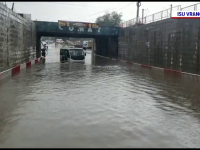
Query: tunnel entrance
[[87, 43], [61, 42], [102, 45], [105, 38]]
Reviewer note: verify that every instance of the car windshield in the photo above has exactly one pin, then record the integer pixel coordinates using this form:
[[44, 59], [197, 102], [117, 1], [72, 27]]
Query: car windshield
[[76, 52]]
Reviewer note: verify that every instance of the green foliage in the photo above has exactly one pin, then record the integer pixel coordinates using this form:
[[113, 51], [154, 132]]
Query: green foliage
[[109, 19]]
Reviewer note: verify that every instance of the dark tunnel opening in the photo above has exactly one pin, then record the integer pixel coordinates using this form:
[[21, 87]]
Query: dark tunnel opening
[[104, 45]]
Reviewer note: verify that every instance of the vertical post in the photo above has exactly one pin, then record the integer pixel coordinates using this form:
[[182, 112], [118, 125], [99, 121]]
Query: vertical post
[[12, 6], [94, 45], [195, 7], [138, 5], [171, 11], [167, 13], [142, 15], [8, 60], [153, 17], [38, 46]]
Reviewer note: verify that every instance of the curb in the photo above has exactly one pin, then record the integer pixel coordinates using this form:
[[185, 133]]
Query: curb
[[164, 70], [146, 66], [16, 70]]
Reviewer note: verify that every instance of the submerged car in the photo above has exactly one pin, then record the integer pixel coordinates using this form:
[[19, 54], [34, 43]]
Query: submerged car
[[68, 54]]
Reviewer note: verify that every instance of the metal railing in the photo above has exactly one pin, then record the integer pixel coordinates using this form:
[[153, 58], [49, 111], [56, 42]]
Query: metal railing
[[157, 16], [190, 8]]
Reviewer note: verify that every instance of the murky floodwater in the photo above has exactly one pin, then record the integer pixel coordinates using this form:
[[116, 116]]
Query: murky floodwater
[[102, 103]]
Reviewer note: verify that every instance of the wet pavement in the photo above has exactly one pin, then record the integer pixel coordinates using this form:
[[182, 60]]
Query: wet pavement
[[102, 103]]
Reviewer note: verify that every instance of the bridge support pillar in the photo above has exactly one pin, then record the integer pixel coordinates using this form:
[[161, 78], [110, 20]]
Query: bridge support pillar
[[38, 46], [94, 45], [107, 46]]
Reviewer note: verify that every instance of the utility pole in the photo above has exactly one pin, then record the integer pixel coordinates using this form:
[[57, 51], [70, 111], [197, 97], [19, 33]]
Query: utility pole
[[12, 6], [171, 10], [142, 16], [138, 5]]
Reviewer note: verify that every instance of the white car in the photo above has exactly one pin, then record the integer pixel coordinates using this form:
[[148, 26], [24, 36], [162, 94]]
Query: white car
[[59, 41], [68, 54]]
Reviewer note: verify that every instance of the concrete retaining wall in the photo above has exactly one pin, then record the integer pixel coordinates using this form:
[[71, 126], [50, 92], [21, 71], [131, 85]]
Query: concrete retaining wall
[[183, 75], [17, 39], [170, 44]]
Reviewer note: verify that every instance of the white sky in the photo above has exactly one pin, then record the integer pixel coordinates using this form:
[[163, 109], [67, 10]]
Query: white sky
[[88, 11]]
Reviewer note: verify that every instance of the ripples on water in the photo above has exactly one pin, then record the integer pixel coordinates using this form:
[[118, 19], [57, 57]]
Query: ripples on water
[[102, 103]]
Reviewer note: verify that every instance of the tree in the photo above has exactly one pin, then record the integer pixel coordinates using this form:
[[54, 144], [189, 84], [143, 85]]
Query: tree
[[109, 19]]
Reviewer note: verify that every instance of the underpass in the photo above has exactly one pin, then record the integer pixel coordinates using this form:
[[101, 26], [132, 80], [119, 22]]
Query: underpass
[[102, 103], [105, 38]]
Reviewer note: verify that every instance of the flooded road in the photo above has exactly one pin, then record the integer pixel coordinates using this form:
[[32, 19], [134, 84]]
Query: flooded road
[[102, 103]]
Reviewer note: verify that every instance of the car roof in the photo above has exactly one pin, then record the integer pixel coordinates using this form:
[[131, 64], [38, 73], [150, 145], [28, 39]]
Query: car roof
[[75, 48], [71, 48]]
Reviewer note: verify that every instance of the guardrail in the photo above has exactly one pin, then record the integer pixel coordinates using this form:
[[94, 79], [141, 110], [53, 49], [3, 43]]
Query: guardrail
[[194, 7]]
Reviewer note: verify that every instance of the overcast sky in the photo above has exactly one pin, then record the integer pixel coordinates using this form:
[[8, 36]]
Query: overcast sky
[[88, 11]]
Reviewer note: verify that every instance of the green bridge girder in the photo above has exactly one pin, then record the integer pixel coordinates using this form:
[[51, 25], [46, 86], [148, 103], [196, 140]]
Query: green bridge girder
[[46, 28]]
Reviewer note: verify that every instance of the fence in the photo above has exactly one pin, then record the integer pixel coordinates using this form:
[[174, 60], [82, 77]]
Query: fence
[[194, 7], [160, 15]]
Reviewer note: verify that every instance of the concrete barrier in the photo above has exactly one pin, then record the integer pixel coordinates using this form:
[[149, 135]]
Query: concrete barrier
[[171, 71], [158, 69], [15, 70], [128, 62], [28, 64], [5, 74], [22, 66], [146, 66], [33, 62], [36, 61], [190, 76]]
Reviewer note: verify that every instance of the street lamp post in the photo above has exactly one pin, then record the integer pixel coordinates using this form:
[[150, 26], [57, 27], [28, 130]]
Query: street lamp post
[[142, 16], [138, 5]]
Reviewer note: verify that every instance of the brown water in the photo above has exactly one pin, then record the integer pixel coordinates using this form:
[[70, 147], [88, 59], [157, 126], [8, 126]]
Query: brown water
[[102, 103]]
